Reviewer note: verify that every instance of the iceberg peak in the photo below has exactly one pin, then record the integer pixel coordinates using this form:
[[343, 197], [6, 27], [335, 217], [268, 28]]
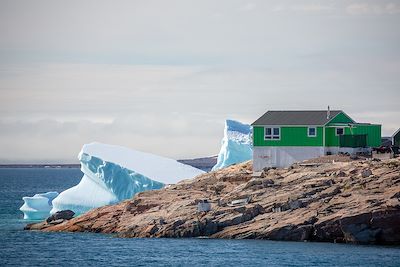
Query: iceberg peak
[[236, 144]]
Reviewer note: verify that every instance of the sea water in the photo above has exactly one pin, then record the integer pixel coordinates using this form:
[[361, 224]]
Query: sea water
[[30, 248]]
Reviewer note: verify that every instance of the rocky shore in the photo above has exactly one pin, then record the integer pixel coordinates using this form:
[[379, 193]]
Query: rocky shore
[[340, 200]]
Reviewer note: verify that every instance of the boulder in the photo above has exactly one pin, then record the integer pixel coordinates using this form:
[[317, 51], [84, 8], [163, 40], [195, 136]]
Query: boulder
[[381, 227], [340, 174], [295, 204], [291, 233], [387, 223], [240, 215], [366, 173], [356, 229], [330, 192], [253, 183], [327, 231], [61, 215], [268, 182]]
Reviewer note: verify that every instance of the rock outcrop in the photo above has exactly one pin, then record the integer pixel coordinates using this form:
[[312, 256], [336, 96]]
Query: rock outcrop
[[354, 201], [61, 215]]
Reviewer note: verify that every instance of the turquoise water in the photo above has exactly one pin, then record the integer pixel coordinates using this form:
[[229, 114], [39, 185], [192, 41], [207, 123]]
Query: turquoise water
[[25, 248]]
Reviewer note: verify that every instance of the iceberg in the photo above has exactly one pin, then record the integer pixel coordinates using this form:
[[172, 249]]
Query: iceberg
[[236, 145], [114, 173], [39, 206]]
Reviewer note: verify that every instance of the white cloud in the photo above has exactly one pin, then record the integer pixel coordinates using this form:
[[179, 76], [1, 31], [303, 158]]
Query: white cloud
[[304, 8], [48, 111], [373, 8], [248, 7]]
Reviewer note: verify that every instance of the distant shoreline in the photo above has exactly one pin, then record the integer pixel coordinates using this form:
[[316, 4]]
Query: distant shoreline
[[50, 166], [205, 163]]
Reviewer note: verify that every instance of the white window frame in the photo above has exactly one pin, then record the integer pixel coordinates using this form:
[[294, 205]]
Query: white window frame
[[272, 135], [336, 129], [308, 131]]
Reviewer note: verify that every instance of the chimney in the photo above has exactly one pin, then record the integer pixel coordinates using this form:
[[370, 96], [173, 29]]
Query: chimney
[[328, 113]]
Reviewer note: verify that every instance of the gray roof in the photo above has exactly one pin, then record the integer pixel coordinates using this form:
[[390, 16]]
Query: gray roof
[[296, 117]]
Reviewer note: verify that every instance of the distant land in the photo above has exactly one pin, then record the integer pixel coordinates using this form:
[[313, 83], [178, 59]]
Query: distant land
[[205, 163], [24, 165]]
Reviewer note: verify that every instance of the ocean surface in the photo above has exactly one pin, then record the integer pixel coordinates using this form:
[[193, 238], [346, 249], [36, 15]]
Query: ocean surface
[[26, 248]]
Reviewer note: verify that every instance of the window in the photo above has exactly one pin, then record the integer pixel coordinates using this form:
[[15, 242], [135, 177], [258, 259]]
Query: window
[[272, 133], [312, 132], [339, 131]]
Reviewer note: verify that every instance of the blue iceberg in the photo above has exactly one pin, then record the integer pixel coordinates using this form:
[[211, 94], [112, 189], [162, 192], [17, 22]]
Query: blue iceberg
[[115, 173], [39, 206], [236, 144]]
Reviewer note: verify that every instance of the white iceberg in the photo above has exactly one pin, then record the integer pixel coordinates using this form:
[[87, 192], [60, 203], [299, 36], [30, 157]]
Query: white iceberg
[[39, 206], [236, 144], [114, 173]]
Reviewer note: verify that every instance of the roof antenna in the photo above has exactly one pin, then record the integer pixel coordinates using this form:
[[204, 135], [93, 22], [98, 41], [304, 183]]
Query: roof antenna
[[328, 113]]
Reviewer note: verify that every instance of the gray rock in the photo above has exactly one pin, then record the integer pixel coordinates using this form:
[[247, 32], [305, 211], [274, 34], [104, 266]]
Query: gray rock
[[340, 174], [58, 221], [291, 233], [354, 157], [268, 182], [244, 214], [61, 215], [366, 173], [396, 195], [330, 192], [387, 223], [327, 231], [381, 227], [253, 183], [295, 204]]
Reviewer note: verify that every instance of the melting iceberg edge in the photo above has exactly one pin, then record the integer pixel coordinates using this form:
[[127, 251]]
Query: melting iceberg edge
[[103, 183]]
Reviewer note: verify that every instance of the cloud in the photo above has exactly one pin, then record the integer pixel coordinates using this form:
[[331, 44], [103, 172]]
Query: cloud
[[48, 111], [248, 7], [339, 8], [304, 8], [373, 9]]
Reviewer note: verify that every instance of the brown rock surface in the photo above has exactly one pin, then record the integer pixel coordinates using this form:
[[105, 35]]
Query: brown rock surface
[[325, 201]]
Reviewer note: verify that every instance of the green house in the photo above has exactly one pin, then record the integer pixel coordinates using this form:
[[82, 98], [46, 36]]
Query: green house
[[281, 138]]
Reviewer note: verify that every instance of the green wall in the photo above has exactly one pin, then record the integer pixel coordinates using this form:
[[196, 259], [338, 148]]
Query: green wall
[[374, 137], [290, 136], [373, 134], [297, 136], [341, 118], [330, 136]]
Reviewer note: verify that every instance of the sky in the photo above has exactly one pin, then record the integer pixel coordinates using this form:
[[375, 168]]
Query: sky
[[162, 76]]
